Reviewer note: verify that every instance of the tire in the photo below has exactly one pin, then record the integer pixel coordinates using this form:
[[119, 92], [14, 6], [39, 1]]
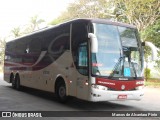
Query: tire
[[13, 82], [17, 83], [61, 92]]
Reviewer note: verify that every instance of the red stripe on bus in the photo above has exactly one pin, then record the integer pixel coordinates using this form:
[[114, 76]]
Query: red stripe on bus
[[119, 84]]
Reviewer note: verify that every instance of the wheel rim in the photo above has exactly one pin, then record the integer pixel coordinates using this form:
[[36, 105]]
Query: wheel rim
[[62, 91]]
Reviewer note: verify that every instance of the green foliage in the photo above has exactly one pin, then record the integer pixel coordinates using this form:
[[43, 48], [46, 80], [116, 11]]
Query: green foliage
[[35, 22], [2, 49], [16, 32], [147, 73], [153, 83], [55, 22], [87, 9], [152, 33], [141, 13], [157, 63], [32, 26]]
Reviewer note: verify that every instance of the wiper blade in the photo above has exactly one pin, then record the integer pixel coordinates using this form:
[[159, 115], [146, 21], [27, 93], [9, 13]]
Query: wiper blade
[[134, 69], [114, 71]]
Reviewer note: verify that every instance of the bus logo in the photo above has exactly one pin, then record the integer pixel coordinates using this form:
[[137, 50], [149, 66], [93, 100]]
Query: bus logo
[[6, 114], [123, 87]]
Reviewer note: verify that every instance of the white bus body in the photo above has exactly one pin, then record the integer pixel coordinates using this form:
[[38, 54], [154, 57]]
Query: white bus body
[[90, 59]]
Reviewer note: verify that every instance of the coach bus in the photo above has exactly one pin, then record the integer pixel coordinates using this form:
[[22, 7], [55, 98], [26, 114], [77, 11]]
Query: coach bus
[[90, 59]]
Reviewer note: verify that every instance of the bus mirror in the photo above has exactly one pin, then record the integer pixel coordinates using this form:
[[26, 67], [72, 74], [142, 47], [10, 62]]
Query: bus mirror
[[153, 48], [94, 42]]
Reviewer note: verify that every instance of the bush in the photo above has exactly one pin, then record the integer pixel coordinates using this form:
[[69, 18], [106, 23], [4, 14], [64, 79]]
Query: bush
[[147, 73]]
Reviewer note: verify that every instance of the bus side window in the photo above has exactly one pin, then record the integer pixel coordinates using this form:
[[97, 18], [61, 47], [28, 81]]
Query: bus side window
[[34, 45], [79, 47], [82, 59]]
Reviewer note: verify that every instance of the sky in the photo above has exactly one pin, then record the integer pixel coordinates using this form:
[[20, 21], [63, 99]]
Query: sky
[[17, 13]]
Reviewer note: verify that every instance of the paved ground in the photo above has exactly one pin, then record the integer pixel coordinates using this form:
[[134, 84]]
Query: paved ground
[[34, 100]]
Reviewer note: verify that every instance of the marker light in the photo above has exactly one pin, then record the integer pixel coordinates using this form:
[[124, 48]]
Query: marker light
[[86, 83]]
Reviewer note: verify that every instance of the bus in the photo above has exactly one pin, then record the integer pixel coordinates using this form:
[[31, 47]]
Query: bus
[[90, 59]]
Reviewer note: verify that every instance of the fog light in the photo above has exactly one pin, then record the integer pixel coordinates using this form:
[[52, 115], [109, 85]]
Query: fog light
[[100, 87], [95, 95]]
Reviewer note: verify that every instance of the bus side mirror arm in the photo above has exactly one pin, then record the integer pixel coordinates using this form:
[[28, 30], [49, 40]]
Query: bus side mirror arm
[[153, 48], [94, 42]]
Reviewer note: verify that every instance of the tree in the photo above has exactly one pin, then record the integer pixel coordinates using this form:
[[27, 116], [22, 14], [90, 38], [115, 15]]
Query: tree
[[141, 13], [157, 63], [35, 22], [2, 49], [16, 32], [152, 33], [87, 9]]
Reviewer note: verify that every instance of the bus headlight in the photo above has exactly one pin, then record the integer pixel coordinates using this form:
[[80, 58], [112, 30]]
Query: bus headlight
[[99, 87], [139, 88]]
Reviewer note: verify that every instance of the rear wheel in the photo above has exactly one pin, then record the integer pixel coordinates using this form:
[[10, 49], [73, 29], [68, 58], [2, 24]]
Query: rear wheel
[[13, 81], [17, 82], [61, 92]]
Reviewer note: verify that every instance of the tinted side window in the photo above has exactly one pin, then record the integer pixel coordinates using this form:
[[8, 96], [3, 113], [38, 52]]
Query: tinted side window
[[16, 50], [59, 44], [55, 42], [60, 41], [79, 47], [35, 45]]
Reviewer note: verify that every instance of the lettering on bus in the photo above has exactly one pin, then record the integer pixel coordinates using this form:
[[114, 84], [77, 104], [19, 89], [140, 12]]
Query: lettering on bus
[[107, 83]]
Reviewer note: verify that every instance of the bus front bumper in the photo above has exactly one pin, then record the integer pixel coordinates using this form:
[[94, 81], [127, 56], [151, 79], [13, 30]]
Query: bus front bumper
[[108, 95]]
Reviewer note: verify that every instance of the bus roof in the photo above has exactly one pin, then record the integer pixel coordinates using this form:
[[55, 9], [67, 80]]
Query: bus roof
[[104, 21], [91, 20]]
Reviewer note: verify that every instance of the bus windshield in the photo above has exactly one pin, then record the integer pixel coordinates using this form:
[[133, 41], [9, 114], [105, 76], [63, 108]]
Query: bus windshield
[[119, 52]]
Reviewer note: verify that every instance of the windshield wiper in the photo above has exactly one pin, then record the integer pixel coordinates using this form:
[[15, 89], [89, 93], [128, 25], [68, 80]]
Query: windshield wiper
[[134, 69], [116, 67]]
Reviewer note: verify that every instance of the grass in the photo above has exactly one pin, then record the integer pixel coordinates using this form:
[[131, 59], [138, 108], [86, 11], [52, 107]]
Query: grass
[[153, 82]]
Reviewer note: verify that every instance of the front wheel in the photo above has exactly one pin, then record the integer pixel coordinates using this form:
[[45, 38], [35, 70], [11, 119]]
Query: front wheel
[[61, 92]]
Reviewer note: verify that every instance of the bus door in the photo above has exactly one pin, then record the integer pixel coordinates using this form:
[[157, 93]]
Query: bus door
[[82, 68], [78, 72], [79, 45]]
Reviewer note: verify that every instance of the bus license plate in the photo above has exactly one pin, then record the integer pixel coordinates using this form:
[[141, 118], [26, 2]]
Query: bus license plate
[[122, 97]]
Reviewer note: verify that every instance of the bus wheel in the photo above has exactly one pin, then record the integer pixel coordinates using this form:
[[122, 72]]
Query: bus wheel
[[61, 92], [17, 82], [13, 82]]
